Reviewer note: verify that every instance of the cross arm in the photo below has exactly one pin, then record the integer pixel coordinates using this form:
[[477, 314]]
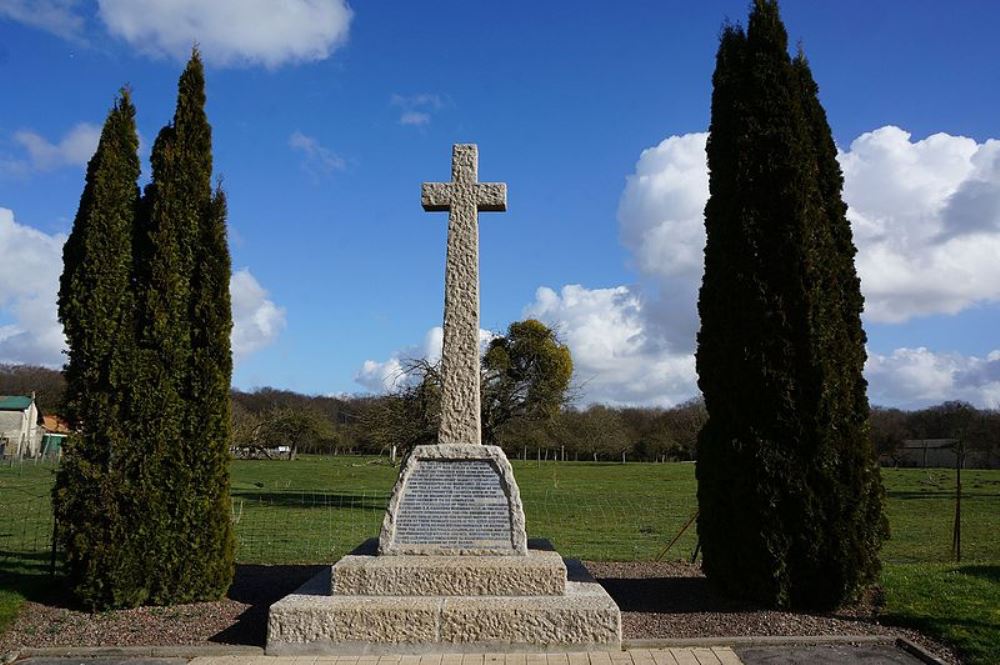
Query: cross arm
[[491, 196], [435, 196]]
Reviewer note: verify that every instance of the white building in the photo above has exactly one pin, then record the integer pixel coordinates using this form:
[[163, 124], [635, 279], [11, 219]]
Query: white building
[[20, 435]]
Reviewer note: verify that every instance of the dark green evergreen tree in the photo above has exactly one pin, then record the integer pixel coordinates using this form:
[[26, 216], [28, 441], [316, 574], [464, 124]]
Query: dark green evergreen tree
[[855, 484], [96, 310], [209, 410], [788, 490], [181, 416]]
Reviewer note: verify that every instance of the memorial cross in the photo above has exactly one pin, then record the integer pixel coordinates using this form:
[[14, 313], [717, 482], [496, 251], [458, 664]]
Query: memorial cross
[[463, 198]]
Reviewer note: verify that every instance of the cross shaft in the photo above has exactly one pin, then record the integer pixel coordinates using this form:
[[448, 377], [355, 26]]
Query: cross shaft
[[463, 198]]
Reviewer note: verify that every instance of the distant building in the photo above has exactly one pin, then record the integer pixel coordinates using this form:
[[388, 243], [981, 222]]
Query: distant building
[[20, 435], [54, 435], [938, 453]]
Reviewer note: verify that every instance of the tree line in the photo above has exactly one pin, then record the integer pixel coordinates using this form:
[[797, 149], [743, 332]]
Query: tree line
[[325, 425]]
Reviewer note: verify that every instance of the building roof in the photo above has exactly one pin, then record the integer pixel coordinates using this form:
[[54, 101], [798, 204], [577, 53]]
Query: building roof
[[53, 424], [14, 402]]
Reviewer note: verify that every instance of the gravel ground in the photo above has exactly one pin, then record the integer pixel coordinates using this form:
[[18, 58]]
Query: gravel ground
[[241, 618], [674, 600], [658, 600]]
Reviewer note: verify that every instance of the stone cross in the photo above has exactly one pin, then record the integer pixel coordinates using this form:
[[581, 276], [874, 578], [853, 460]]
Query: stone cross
[[463, 198]]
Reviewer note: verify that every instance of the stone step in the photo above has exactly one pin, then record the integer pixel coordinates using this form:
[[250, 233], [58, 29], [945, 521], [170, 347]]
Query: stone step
[[539, 573], [309, 622]]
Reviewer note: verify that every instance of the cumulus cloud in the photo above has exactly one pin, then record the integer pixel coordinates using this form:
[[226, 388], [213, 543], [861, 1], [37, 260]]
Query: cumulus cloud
[[925, 214], [416, 110], [926, 219], [396, 372], [661, 223], [617, 356], [257, 321], [918, 377], [317, 160], [231, 32], [75, 148], [59, 17], [30, 265]]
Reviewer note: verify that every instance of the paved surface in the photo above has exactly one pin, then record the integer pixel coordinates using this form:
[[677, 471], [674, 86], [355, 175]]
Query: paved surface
[[778, 655], [700, 656], [829, 654], [103, 661]]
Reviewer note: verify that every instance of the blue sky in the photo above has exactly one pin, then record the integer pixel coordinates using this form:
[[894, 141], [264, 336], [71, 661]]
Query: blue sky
[[327, 118]]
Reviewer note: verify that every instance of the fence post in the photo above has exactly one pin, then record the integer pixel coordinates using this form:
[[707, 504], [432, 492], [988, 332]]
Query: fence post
[[52, 558]]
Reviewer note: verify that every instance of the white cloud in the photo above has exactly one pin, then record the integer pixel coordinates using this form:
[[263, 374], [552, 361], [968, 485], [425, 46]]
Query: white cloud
[[416, 110], [926, 218], [30, 265], [56, 16], [74, 149], [617, 357], [917, 377], [661, 221], [231, 32], [317, 160], [925, 214], [382, 377], [417, 118], [257, 321], [393, 373]]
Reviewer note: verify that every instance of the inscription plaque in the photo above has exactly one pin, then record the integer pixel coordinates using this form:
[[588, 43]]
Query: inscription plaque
[[454, 504]]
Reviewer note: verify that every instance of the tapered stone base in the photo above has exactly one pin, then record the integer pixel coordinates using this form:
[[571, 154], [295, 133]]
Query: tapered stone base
[[455, 499], [582, 616]]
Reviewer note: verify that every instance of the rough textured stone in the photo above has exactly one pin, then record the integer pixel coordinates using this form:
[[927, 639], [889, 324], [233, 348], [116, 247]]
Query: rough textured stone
[[308, 621], [444, 533], [540, 573], [584, 617], [463, 198], [304, 623]]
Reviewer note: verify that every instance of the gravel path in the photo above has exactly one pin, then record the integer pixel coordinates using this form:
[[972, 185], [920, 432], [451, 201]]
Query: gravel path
[[674, 600], [658, 600], [241, 618]]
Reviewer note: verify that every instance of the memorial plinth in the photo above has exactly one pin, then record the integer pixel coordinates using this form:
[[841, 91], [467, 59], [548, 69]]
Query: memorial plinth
[[452, 571], [417, 604]]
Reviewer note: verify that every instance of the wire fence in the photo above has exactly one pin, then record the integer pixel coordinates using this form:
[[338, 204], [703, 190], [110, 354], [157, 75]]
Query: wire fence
[[295, 526], [278, 524], [313, 527]]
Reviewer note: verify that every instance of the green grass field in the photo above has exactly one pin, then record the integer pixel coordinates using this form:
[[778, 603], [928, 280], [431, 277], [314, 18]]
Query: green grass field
[[316, 509]]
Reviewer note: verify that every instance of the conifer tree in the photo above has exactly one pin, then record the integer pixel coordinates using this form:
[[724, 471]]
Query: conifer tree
[[181, 415], [96, 310], [209, 408], [788, 490]]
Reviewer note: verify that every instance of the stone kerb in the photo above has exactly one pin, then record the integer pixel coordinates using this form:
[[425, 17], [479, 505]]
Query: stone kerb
[[455, 499]]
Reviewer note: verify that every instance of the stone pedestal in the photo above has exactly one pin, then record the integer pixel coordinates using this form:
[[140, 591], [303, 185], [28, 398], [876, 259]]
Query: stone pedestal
[[452, 572], [412, 604]]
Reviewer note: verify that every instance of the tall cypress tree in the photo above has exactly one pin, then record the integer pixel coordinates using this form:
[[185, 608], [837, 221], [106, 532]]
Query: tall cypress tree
[[789, 495], [183, 421], [853, 486], [96, 310], [209, 409]]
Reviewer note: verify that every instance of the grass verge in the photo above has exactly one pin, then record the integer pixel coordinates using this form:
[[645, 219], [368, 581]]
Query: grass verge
[[956, 603], [316, 509]]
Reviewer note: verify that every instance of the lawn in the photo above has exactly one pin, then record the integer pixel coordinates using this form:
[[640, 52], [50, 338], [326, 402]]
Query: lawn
[[316, 509]]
